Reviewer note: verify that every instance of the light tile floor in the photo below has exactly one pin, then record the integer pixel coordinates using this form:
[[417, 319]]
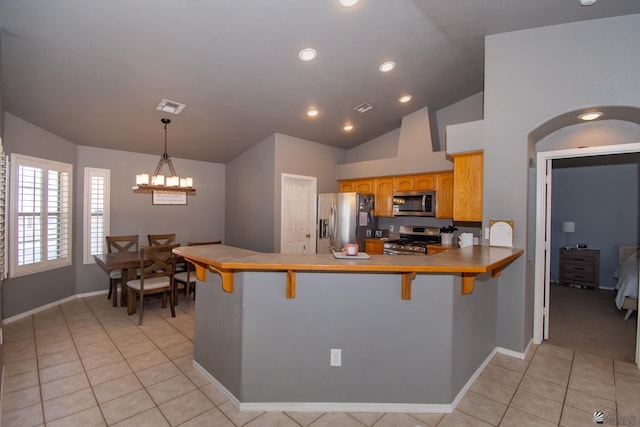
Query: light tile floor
[[85, 363]]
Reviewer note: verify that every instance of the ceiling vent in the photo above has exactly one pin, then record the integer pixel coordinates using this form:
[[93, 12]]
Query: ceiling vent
[[363, 108], [168, 106]]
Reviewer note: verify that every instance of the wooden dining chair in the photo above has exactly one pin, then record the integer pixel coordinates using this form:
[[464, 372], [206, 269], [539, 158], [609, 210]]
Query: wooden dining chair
[[117, 244], [157, 268], [188, 278], [161, 239]]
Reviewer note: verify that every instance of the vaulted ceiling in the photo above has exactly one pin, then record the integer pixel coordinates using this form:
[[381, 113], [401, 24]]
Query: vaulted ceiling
[[93, 72]]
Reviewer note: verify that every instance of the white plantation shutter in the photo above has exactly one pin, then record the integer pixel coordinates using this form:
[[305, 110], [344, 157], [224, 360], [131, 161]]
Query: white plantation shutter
[[3, 218], [40, 237], [96, 212]]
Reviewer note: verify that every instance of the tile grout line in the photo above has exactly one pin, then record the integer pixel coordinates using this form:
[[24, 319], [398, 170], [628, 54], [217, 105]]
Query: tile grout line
[[128, 364]]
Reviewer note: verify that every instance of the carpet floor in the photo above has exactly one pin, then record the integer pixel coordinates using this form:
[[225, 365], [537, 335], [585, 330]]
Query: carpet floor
[[587, 320]]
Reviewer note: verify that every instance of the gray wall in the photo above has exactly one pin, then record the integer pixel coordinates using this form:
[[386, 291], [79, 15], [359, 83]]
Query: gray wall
[[250, 196], [466, 110], [201, 219], [393, 351], [301, 157], [27, 292], [254, 181], [474, 334], [530, 77], [603, 202], [383, 147]]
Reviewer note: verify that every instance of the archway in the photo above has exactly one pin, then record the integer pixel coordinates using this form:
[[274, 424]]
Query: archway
[[622, 123]]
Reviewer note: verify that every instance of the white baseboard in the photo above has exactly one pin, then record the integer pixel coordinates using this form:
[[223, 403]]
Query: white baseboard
[[48, 306], [515, 354], [217, 384], [345, 407]]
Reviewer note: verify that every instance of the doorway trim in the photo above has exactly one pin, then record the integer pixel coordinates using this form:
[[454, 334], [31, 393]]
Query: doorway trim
[[543, 211]]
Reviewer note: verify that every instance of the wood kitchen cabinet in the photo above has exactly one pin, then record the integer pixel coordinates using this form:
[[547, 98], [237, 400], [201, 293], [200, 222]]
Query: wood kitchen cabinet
[[383, 192], [403, 183], [467, 186], [444, 195], [424, 182], [414, 182], [384, 187], [363, 186]]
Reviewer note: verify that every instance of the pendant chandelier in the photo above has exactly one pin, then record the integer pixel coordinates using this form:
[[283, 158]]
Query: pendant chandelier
[[158, 181]]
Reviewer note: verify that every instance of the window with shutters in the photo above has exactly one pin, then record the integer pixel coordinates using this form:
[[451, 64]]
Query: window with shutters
[[40, 214], [96, 212]]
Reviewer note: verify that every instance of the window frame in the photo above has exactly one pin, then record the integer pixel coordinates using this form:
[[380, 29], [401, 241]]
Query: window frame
[[89, 174], [66, 210]]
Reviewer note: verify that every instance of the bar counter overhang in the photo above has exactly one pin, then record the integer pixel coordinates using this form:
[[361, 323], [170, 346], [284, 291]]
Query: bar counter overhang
[[414, 331]]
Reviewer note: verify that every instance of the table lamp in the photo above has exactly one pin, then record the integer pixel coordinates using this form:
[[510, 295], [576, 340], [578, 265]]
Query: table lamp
[[568, 227]]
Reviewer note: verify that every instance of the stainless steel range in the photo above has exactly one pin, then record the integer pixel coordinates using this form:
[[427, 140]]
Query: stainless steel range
[[412, 241]]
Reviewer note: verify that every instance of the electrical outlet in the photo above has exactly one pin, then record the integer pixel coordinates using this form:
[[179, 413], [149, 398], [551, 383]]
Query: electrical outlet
[[336, 357], [486, 233], [391, 227]]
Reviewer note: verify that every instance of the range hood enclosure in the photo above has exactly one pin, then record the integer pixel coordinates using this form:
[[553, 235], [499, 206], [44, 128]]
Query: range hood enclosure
[[415, 153]]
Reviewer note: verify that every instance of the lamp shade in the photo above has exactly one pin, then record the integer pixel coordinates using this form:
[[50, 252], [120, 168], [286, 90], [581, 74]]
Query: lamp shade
[[568, 226]]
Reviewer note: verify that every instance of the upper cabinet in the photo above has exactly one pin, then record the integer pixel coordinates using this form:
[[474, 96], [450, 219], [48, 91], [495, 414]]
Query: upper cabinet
[[383, 196], [424, 182], [402, 183], [467, 186], [444, 195], [413, 182], [363, 186], [384, 187]]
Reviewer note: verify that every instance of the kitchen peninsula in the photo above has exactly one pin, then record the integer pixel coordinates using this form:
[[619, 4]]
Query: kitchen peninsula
[[411, 330]]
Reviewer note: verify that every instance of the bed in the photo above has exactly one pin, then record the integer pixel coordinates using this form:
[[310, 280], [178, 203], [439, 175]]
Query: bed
[[627, 277]]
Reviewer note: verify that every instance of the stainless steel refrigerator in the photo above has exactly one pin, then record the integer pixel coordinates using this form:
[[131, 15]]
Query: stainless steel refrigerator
[[344, 218]]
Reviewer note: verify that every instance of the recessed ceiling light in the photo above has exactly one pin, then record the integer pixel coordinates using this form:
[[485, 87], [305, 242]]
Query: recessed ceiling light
[[312, 112], [168, 106], [307, 54], [348, 127], [348, 3], [385, 67], [590, 115], [405, 98], [587, 2]]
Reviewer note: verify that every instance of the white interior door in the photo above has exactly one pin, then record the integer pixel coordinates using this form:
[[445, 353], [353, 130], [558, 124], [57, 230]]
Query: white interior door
[[298, 214]]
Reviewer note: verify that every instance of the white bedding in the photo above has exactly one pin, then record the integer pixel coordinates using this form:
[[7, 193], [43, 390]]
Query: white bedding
[[627, 275]]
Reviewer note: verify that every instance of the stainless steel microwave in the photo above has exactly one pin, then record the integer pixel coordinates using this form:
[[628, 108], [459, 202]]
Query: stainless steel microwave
[[414, 203]]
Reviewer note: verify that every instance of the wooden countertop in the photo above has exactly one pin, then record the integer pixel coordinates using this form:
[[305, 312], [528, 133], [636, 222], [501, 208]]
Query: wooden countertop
[[469, 262]]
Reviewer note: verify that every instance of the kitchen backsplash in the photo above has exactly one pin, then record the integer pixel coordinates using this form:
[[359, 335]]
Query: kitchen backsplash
[[385, 223]]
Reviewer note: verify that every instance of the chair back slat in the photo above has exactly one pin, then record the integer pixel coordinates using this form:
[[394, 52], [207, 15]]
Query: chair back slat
[[117, 244], [156, 261], [161, 239]]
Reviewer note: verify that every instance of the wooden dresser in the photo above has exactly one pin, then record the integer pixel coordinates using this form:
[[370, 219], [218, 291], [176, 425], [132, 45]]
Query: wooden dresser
[[580, 267]]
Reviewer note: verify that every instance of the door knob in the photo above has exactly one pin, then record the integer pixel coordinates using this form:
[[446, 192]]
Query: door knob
[[308, 236]]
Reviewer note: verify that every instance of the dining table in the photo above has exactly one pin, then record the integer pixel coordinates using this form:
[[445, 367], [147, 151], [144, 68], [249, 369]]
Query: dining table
[[126, 261]]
